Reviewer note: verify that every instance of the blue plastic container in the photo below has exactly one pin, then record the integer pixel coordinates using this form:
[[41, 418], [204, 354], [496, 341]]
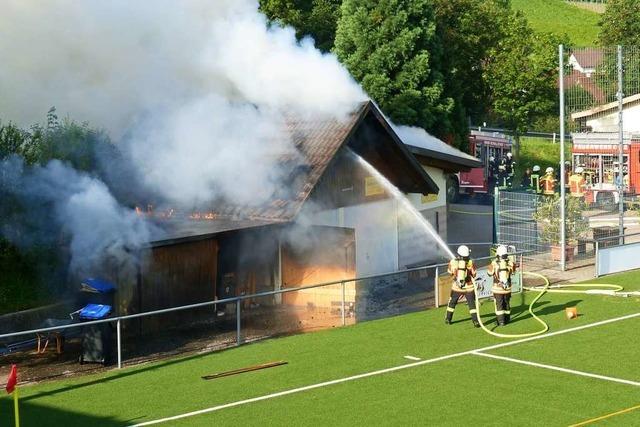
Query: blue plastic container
[[94, 311]]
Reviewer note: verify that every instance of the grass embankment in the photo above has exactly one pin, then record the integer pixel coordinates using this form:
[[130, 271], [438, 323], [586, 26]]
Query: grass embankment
[[556, 16], [540, 151], [494, 392]]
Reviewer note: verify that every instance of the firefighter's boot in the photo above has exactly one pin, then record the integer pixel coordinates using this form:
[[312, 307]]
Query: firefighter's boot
[[449, 317], [474, 318]]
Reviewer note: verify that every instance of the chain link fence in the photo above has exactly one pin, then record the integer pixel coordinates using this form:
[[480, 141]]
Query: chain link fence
[[602, 106]]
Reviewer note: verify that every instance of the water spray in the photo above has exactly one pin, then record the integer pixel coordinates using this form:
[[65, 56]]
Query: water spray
[[402, 199]]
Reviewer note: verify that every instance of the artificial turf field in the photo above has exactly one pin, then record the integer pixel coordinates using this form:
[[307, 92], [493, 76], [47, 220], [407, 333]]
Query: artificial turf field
[[459, 389]]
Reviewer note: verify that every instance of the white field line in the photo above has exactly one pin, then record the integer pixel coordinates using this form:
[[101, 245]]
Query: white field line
[[557, 368], [412, 358], [381, 371]]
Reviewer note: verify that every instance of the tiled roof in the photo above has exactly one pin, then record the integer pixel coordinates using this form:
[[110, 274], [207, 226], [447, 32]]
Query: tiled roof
[[316, 143]]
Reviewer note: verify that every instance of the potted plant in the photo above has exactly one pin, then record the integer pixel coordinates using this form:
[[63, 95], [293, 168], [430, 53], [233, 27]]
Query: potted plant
[[549, 221]]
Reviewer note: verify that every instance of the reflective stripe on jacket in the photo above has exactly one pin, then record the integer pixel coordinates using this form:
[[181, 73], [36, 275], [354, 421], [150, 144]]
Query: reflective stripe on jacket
[[548, 185], [535, 182], [576, 185]]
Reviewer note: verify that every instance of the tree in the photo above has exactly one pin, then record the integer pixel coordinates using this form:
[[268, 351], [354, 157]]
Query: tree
[[391, 48], [466, 44], [620, 23], [315, 18], [522, 75]]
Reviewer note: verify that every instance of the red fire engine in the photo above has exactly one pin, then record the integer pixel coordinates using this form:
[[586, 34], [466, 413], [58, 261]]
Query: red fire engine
[[482, 145], [597, 153]]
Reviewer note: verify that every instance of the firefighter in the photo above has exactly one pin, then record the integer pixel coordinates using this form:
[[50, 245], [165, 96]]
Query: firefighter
[[502, 269], [535, 180], [493, 172], [508, 169], [463, 272], [577, 183], [548, 182]]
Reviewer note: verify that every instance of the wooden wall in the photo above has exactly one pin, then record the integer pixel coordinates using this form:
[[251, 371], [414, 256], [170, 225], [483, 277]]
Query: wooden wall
[[177, 275]]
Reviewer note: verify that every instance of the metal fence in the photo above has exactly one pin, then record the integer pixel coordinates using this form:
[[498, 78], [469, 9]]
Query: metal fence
[[219, 324], [516, 223]]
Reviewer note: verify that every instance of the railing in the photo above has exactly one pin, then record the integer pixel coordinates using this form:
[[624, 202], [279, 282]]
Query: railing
[[237, 300]]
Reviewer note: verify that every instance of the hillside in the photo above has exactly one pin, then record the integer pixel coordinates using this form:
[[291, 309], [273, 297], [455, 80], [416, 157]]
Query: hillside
[[559, 17]]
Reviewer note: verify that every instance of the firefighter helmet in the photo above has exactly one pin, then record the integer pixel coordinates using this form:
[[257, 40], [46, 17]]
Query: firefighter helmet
[[501, 251], [536, 168], [549, 170], [492, 159], [579, 169], [509, 155], [463, 251]]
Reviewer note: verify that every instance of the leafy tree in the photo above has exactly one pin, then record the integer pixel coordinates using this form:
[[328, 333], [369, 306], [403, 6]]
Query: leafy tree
[[391, 48], [522, 74], [315, 18], [466, 45], [620, 23]]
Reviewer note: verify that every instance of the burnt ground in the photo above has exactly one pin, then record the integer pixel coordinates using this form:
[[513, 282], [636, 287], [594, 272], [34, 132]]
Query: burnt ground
[[384, 297]]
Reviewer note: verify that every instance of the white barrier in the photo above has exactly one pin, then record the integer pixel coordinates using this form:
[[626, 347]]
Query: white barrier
[[617, 258]]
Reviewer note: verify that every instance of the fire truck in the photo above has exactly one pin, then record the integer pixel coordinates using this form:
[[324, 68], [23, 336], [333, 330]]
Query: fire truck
[[597, 153], [482, 145]]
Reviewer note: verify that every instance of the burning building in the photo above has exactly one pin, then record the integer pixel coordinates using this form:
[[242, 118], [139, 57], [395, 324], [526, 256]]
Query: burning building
[[334, 221]]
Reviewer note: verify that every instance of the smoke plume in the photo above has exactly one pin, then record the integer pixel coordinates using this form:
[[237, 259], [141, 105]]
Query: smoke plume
[[192, 92], [56, 200]]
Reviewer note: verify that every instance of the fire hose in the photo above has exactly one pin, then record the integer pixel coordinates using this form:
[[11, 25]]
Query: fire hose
[[609, 289]]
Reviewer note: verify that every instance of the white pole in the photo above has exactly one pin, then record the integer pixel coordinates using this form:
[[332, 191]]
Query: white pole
[[620, 147], [344, 320], [238, 332], [119, 344], [436, 289], [563, 243]]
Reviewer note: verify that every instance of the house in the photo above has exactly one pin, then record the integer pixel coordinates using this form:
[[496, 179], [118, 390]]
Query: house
[[336, 220], [442, 162], [586, 60], [604, 117], [585, 63]]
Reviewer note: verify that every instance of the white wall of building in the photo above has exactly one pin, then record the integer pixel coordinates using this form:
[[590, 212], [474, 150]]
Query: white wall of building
[[609, 122], [376, 230]]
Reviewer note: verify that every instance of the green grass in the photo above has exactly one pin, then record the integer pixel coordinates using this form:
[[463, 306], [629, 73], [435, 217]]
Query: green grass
[[581, 26], [416, 396], [540, 151]]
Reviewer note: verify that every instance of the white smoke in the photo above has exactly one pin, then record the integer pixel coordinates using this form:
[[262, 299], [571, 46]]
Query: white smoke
[[80, 206], [193, 92]]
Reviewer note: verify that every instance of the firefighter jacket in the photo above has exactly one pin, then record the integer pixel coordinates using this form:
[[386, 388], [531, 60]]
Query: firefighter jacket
[[548, 184], [577, 185], [501, 269], [535, 183], [463, 273], [509, 165]]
